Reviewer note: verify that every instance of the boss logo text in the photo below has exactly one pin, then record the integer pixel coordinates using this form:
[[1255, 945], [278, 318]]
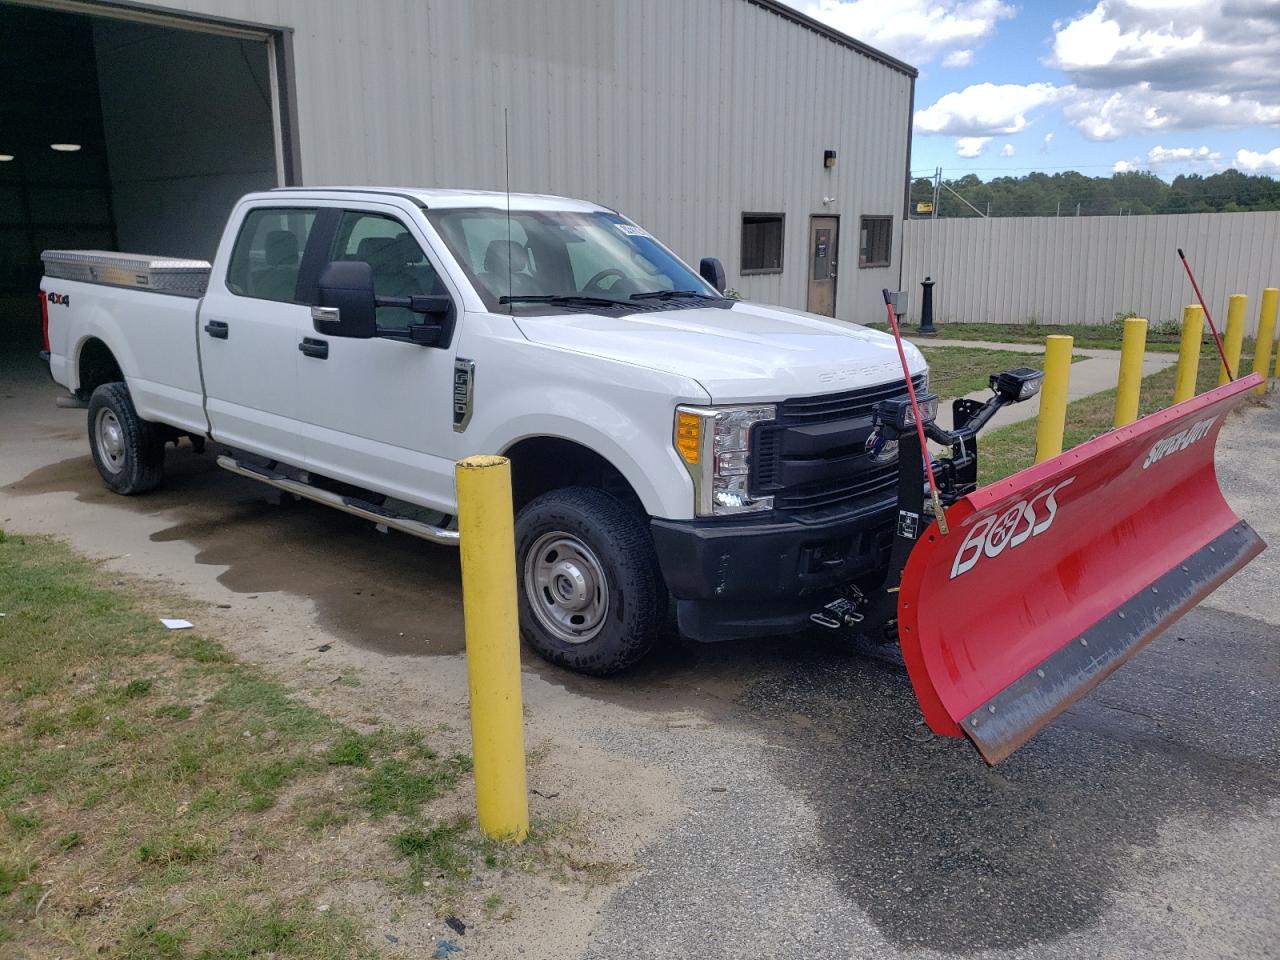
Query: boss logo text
[[992, 535]]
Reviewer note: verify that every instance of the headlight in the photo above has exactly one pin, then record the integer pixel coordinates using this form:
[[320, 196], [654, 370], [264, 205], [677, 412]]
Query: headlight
[[714, 443]]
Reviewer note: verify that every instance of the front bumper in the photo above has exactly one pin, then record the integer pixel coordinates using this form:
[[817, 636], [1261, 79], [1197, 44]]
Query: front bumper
[[757, 578]]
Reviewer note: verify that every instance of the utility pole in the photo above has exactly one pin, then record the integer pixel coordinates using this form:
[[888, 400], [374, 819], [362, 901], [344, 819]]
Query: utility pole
[[1077, 209], [937, 190], [1058, 211]]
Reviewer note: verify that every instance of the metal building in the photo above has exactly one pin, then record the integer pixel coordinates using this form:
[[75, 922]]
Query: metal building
[[731, 128]]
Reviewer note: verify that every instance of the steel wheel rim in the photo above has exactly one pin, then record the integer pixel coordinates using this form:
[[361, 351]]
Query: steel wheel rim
[[566, 587], [110, 438]]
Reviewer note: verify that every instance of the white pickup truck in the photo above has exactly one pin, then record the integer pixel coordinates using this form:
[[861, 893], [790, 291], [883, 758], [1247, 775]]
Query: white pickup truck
[[350, 344]]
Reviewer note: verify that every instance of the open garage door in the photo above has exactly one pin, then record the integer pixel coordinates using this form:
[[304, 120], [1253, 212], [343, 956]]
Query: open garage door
[[124, 130]]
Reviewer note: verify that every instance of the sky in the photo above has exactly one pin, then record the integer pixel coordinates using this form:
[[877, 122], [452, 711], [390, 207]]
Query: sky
[[1169, 86]]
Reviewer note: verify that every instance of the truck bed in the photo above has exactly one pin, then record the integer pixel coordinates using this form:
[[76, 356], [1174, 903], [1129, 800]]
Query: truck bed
[[147, 308]]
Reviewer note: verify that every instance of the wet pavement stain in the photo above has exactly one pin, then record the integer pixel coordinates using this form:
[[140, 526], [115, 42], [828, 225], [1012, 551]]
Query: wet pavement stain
[[942, 852], [386, 592], [391, 593]]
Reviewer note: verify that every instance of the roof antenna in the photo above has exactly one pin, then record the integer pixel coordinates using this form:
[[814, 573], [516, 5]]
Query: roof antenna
[[506, 163]]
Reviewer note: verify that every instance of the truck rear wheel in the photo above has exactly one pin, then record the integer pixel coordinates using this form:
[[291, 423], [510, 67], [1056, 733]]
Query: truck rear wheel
[[592, 597], [127, 450]]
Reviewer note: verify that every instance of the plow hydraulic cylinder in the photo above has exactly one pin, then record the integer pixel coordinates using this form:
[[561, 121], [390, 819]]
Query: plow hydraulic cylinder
[[1130, 384], [1053, 397], [1189, 352], [1234, 340], [1266, 334]]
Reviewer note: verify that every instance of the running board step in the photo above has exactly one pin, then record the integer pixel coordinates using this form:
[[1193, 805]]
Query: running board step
[[358, 508]]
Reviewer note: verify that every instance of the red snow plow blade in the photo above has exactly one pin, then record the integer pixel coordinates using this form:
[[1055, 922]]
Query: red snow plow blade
[[1051, 579]]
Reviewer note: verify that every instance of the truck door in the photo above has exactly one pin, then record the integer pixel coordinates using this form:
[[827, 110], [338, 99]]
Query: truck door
[[249, 326], [378, 413], [824, 235]]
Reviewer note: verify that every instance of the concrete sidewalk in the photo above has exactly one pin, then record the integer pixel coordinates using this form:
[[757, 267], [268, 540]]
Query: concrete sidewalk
[[1097, 373]]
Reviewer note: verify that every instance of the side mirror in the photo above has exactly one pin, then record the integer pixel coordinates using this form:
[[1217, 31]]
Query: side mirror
[[347, 306], [712, 271]]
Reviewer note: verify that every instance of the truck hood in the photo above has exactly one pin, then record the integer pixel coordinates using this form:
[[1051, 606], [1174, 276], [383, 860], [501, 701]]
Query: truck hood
[[746, 353]]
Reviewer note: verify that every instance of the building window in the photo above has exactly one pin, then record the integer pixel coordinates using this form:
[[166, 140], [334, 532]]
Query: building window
[[876, 242], [762, 243]]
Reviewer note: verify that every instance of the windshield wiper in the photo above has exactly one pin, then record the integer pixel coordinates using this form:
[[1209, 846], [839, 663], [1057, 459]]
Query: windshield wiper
[[671, 295], [572, 300]]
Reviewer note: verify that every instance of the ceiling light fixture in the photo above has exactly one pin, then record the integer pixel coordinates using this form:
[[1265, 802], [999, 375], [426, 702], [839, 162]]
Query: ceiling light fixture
[[65, 147], [5, 157]]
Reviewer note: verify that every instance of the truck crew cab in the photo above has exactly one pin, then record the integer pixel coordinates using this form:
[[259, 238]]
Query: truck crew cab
[[350, 344]]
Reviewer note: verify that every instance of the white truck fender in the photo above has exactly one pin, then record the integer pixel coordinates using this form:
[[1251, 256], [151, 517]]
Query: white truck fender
[[664, 487]]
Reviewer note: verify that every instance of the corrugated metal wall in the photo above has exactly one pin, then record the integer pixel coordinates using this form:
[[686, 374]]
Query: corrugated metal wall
[[1088, 269], [681, 113]]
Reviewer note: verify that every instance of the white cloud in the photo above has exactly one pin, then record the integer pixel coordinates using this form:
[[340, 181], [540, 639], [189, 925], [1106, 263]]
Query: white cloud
[[1158, 155], [1126, 166], [1048, 142], [917, 31], [1142, 109], [986, 109], [1142, 66], [1253, 162], [1007, 150], [958, 58], [970, 147]]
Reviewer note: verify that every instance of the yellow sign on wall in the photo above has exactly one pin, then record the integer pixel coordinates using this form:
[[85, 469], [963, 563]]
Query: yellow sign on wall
[[924, 206]]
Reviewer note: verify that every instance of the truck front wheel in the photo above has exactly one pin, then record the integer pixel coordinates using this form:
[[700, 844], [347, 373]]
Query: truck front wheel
[[127, 450], [592, 597]]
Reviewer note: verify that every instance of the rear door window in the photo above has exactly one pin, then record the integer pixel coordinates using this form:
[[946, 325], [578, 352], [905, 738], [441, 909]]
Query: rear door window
[[268, 253]]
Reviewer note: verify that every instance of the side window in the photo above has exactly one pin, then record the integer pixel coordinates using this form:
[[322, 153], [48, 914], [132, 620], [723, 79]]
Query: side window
[[400, 268], [268, 252], [875, 245]]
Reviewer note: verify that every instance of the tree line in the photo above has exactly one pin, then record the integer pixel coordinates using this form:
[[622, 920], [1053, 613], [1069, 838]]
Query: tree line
[[1072, 194]]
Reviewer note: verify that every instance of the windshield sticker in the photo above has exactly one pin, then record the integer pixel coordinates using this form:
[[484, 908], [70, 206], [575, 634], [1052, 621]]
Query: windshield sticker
[[631, 230]]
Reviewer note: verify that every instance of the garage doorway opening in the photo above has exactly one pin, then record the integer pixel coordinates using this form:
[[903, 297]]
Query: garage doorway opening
[[120, 131]]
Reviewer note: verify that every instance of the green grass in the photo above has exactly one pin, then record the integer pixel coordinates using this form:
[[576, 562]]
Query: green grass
[[1009, 449], [135, 760], [154, 766], [1163, 336], [956, 371]]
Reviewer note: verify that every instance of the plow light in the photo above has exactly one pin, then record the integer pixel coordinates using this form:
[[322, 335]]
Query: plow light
[[1017, 385], [897, 413]]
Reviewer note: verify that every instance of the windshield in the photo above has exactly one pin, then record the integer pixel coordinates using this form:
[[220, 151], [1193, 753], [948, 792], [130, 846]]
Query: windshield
[[545, 256]]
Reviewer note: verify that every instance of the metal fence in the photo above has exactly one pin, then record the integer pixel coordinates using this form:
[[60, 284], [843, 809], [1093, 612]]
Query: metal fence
[[1087, 269]]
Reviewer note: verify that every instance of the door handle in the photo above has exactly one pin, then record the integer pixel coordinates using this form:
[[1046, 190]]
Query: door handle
[[217, 329], [315, 348]]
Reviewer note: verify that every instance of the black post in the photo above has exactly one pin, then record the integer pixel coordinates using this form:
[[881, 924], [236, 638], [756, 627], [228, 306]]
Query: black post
[[926, 308]]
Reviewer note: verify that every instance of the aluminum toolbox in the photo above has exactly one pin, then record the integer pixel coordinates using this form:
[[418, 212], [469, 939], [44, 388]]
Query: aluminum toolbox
[[178, 277]]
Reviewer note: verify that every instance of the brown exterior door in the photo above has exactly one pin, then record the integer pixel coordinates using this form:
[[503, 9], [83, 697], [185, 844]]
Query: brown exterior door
[[824, 237]]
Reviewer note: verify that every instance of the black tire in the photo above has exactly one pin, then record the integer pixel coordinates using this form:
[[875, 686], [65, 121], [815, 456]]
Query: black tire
[[618, 547], [134, 462]]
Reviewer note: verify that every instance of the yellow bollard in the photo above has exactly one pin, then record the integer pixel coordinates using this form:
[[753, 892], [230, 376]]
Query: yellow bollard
[[1266, 334], [1233, 339], [1189, 352], [1053, 396], [487, 544], [1129, 387]]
